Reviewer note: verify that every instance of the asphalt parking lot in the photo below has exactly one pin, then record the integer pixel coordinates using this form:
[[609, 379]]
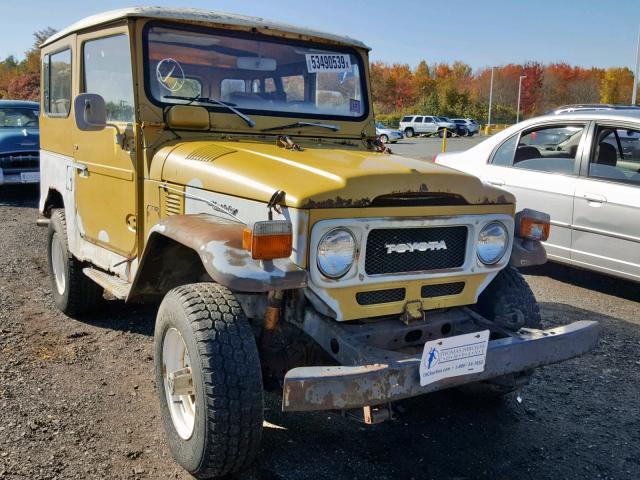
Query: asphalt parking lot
[[78, 401], [424, 148]]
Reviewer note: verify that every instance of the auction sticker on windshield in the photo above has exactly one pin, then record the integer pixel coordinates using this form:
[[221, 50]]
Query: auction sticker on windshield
[[453, 356], [328, 62]]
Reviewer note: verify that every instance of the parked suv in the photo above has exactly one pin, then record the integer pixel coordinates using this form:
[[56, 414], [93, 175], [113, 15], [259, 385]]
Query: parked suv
[[287, 248], [19, 142]]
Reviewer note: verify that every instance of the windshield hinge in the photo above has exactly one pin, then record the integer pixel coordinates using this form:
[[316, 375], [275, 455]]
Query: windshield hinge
[[284, 141], [378, 146]]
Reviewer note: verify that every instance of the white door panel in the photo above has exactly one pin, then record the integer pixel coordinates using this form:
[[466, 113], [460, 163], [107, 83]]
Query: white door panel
[[607, 225], [546, 192]]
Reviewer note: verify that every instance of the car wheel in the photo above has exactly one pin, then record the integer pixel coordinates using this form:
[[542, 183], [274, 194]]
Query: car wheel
[[409, 132], [209, 380], [508, 302], [383, 138], [73, 292], [441, 133]]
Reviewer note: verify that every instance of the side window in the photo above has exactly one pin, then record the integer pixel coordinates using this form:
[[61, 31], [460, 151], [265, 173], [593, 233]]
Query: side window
[[57, 83], [616, 156], [293, 87], [546, 149], [107, 72], [269, 85], [505, 152], [229, 86], [417, 120], [407, 119], [428, 119]]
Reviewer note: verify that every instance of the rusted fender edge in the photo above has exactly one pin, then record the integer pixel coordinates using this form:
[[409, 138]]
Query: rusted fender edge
[[527, 253], [218, 244], [340, 388]]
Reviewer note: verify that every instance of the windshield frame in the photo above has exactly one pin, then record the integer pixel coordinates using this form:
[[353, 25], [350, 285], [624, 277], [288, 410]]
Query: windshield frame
[[364, 88]]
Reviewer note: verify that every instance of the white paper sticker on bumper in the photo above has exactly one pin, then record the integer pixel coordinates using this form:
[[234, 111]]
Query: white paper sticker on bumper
[[453, 356]]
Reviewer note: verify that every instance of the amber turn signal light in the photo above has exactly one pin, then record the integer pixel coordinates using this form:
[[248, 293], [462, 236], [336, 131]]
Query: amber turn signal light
[[268, 240], [533, 225]]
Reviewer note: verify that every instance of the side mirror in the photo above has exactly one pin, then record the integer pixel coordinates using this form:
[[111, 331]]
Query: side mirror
[[90, 112]]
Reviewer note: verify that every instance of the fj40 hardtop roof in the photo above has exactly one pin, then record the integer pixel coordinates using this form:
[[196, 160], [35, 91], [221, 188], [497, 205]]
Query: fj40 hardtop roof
[[205, 17]]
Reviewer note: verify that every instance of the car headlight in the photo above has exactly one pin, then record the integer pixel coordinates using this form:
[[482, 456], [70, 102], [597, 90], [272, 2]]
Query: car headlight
[[492, 243], [336, 252]]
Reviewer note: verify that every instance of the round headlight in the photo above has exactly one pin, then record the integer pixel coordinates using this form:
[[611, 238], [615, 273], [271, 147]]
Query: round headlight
[[492, 243], [336, 252]]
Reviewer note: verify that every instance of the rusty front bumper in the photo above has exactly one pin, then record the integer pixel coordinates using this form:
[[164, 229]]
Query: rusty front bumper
[[348, 387]]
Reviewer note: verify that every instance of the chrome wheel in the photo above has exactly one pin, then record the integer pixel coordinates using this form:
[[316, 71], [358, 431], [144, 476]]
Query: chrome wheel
[[178, 383], [58, 260]]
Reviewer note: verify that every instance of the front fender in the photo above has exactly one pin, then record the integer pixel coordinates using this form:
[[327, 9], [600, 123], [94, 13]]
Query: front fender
[[177, 241]]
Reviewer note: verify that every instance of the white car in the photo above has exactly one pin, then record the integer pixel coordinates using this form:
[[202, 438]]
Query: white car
[[581, 168], [387, 135], [420, 124]]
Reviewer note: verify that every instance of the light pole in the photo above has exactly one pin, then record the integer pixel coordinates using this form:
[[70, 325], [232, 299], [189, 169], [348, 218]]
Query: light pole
[[635, 72], [490, 97], [519, 91]]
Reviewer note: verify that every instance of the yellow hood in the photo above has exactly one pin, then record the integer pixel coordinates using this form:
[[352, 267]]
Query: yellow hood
[[316, 177]]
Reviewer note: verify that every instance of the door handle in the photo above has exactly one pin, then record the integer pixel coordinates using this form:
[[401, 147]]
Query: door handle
[[496, 181], [81, 167], [594, 198]]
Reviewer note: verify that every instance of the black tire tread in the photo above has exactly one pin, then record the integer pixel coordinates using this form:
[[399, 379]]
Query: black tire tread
[[507, 293], [83, 293], [232, 376]]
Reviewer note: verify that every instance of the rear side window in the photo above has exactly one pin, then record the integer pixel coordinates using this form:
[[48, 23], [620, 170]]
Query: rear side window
[[545, 149], [616, 156], [56, 97], [417, 120], [107, 72], [407, 119], [428, 120]]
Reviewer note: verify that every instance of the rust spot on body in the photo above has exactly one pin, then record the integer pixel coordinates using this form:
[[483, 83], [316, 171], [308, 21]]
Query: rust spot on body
[[337, 202]]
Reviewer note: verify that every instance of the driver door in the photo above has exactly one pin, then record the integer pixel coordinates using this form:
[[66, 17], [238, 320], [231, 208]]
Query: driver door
[[105, 186]]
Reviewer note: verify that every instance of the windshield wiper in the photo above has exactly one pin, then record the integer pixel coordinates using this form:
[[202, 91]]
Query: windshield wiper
[[214, 101], [328, 126]]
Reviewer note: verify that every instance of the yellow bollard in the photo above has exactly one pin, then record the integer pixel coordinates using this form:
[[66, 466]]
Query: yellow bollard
[[444, 141], [486, 129]]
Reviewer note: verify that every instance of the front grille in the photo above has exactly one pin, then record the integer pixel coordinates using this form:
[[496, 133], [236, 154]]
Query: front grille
[[442, 290], [380, 296], [378, 261], [19, 161]]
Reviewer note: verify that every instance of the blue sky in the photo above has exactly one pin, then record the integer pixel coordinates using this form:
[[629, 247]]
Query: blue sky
[[480, 32]]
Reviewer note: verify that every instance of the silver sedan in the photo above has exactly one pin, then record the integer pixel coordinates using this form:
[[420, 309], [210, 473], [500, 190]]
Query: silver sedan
[[387, 135], [581, 168]]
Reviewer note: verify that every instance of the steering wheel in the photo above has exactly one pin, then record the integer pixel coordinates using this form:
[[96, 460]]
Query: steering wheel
[[30, 122]]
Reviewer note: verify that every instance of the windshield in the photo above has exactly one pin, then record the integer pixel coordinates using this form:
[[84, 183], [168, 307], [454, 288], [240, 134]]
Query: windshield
[[18, 118], [254, 74]]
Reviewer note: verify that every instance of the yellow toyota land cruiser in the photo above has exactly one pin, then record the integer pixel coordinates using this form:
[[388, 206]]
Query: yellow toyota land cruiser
[[227, 168]]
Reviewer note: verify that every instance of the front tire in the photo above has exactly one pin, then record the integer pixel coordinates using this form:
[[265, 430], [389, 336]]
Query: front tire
[[384, 139], [73, 292], [508, 302], [203, 338]]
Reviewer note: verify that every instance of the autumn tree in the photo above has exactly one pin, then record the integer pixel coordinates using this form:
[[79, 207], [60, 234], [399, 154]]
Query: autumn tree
[[616, 85]]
